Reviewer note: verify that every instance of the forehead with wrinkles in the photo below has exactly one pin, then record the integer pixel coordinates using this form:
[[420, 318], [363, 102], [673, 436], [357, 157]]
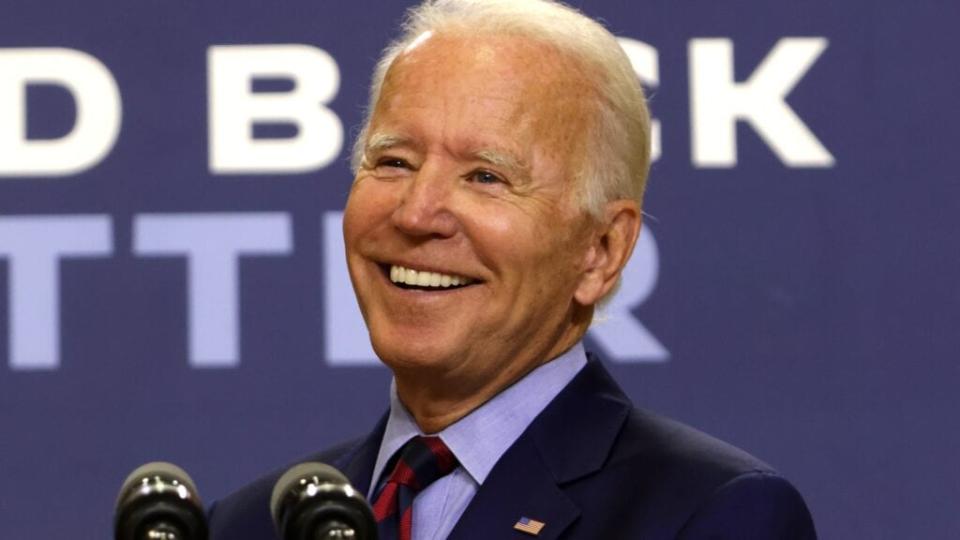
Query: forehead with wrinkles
[[508, 84]]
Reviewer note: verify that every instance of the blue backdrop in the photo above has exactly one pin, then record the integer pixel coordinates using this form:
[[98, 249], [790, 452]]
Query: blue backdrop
[[171, 177]]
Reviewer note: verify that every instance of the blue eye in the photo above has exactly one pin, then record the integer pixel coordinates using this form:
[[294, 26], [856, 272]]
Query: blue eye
[[394, 163], [485, 177]]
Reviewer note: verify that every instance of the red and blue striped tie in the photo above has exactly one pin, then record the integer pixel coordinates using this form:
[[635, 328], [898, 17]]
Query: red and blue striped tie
[[422, 461]]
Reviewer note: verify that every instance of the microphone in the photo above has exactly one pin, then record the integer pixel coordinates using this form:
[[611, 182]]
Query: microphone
[[314, 501], [159, 501]]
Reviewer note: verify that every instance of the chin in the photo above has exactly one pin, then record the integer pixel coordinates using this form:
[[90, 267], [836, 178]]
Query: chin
[[411, 354]]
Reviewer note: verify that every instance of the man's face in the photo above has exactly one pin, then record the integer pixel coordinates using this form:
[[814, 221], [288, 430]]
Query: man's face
[[467, 178]]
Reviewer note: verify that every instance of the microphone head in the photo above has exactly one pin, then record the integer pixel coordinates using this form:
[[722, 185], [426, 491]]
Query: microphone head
[[159, 496], [314, 497]]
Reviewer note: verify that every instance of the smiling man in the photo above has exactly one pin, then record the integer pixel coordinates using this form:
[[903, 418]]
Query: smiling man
[[468, 175], [497, 198]]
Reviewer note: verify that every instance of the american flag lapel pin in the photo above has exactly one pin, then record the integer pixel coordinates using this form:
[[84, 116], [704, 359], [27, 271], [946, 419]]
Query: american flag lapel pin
[[529, 526]]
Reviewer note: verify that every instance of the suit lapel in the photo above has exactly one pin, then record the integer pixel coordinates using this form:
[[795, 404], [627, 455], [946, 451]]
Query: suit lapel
[[570, 439], [357, 464], [519, 486]]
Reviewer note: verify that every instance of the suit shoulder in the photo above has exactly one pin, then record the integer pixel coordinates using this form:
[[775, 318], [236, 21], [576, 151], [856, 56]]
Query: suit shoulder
[[672, 445], [752, 505], [245, 513], [666, 472]]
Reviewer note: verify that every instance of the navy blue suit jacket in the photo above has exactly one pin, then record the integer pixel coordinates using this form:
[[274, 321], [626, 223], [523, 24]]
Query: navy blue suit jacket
[[591, 467]]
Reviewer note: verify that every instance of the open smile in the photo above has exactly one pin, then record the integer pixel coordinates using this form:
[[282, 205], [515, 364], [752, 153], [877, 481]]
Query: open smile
[[425, 280]]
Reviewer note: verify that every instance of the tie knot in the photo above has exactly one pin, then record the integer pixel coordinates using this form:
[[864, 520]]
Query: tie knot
[[422, 461]]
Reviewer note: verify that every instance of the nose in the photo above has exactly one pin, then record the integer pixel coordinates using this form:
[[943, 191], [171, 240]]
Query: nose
[[424, 208]]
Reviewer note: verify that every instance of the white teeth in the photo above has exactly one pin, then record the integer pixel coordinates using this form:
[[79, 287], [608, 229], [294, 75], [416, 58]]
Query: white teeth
[[399, 274]]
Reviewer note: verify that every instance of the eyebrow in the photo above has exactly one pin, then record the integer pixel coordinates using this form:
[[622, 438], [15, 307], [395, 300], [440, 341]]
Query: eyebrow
[[378, 142], [383, 141], [501, 159]]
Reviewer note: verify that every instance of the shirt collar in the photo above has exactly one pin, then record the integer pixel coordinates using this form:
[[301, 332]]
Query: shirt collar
[[479, 439]]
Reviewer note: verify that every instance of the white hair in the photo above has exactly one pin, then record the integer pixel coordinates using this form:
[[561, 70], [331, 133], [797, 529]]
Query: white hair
[[617, 145]]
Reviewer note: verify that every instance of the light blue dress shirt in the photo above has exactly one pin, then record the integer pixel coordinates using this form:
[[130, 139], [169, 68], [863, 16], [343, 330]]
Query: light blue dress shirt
[[478, 440]]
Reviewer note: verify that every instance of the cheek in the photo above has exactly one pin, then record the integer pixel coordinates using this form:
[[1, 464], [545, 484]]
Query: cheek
[[554, 258], [367, 207], [503, 242], [504, 229], [518, 240]]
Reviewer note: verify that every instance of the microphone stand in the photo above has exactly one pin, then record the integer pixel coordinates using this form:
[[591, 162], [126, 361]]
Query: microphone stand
[[159, 501], [335, 530], [314, 501], [163, 531]]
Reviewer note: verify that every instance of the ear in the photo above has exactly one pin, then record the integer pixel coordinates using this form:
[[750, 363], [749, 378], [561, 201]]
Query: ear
[[609, 250]]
